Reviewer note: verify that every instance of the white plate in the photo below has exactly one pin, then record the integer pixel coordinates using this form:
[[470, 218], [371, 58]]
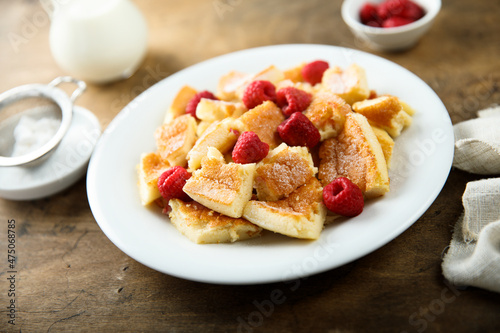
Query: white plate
[[421, 164]]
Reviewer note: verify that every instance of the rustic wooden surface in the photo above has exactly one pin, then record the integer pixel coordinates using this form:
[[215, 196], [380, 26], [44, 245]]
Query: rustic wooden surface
[[72, 278]]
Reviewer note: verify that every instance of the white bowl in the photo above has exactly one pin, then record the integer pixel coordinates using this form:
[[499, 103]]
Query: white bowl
[[389, 39]]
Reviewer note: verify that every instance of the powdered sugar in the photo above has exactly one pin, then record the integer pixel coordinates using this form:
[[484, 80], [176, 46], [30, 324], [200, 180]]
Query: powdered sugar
[[31, 134]]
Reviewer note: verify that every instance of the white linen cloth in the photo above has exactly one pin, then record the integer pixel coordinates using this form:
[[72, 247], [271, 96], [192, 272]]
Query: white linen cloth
[[473, 257]]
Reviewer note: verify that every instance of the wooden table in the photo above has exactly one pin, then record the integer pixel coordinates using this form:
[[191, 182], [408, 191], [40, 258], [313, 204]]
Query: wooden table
[[70, 277]]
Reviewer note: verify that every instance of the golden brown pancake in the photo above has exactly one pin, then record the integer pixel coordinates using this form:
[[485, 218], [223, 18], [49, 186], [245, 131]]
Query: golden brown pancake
[[385, 112], [149, 170], [386, 143], [282, 171], [301, 214], [220, 186], [357, 155], [327, 112], [264, 120], [350, 84], [211, 110], [220, 135], [178, 106], [175, 139], [202, 225]]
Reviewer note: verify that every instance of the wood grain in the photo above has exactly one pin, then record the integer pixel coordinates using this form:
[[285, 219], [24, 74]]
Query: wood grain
[[72, 278]]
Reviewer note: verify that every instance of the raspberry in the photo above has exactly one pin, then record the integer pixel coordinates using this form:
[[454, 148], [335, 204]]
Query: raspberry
[[298, 130], [249, 149], [390, 13], [291, 100], [258, 92], [412, 11], [313, 71], [390, 8], [171, 182], [401, 8], [343, 197], [396, 21], [193, 102], [368, 14]]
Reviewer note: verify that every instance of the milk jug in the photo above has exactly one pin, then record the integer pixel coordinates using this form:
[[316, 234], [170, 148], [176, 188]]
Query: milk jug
[[98, 41]]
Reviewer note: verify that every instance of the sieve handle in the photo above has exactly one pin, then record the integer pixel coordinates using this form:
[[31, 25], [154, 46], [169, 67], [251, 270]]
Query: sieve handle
[[81, 86]]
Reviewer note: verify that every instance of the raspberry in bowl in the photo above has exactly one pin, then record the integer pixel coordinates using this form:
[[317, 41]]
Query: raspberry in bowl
[[392, 25], [390, 13]]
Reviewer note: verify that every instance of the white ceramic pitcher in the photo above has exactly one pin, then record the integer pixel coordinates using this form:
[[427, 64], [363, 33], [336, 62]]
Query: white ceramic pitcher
[[98, 41]]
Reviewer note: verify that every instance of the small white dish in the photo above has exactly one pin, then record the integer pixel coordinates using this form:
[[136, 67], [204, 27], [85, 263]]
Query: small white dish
[[389, 39], [63, 167], [421, 164]]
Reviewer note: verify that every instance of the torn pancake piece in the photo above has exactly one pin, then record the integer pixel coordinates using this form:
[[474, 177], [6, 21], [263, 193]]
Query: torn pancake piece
[[149, 170], [300, 215], [175, 139], [283, 170], [205, 226], [356, 154], [220, 186], [386, 112]]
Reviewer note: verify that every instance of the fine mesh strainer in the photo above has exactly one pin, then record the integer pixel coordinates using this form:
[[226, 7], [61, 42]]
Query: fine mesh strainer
[[36, 101]]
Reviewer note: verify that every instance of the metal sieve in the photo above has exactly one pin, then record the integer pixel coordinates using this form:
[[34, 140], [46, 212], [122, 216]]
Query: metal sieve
[[55, 95]]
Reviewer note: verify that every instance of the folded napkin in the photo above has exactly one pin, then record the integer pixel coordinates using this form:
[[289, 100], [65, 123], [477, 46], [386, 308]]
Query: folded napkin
[[473, 257]]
